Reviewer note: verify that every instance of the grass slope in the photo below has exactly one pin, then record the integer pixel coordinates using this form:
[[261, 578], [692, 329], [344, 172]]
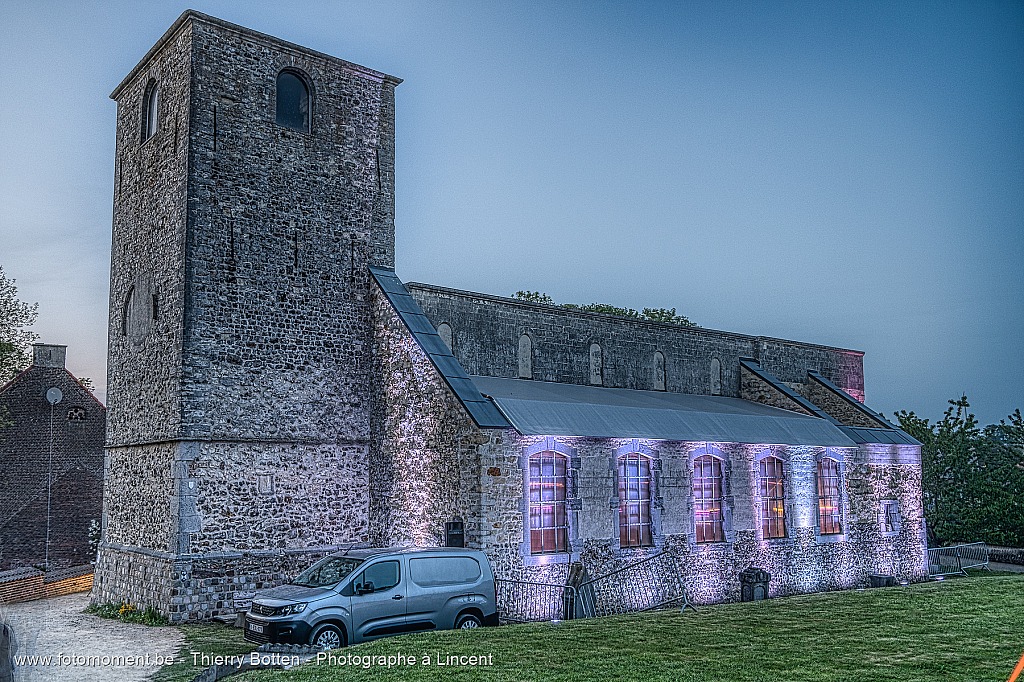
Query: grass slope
[[969, 629]]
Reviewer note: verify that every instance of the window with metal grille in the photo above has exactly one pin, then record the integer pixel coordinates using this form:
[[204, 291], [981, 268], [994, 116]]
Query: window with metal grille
[[773, 498], [707, 499], [634, 500], [292, 101], [549, 521], [890, 516], [830, 513]]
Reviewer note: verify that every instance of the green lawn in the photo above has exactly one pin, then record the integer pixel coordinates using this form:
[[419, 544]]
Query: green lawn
[[963, 629]]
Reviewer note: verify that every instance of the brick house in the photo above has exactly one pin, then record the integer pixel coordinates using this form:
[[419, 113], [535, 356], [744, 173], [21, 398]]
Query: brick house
[[64, 439], [276, 392]]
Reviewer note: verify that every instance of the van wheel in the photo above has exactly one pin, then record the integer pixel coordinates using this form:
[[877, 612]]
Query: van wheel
[[467, 621], [327, 637]]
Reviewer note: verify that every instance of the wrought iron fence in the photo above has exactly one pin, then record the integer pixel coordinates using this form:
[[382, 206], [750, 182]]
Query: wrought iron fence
[[652, 583], [522, 601], [957, 559]]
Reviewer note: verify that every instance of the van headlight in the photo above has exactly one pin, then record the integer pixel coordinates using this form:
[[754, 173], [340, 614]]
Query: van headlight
[[293, 608]]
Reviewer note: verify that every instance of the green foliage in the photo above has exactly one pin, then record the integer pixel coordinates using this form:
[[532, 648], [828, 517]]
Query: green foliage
[[663, 315], [973, 478], [86, 383], [207, 638], [127, 613], [533, 297], [14, 338]]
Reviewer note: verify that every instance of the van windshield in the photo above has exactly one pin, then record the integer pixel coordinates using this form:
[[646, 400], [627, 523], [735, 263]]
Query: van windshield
[[327, 572]]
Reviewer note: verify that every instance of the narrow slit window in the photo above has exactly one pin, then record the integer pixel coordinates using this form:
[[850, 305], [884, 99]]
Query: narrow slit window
[[150, 110], [292, 102]]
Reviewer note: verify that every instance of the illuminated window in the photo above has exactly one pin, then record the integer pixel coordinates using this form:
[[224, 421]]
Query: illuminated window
[[891, 521], [773, 498], [830, 513], [707, 499], [549, 521], [634, 500], [292, 101], [150, 110]]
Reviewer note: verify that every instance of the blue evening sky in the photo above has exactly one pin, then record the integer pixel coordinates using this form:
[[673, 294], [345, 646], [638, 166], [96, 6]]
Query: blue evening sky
[[848, 173]]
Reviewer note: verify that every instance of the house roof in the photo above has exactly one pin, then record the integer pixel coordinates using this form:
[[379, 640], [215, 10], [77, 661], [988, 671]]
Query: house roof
[[545, 408]]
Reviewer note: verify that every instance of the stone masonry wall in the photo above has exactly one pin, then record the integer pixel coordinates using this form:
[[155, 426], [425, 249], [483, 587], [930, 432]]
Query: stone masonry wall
[[486, 331], [801, 562], [836, 406], [424, 466], [282, 224]]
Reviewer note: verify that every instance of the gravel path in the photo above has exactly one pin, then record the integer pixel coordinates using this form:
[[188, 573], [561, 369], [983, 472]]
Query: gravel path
[[57, 628]]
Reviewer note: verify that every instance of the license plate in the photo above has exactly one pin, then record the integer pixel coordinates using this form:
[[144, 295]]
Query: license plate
[[256, 628]]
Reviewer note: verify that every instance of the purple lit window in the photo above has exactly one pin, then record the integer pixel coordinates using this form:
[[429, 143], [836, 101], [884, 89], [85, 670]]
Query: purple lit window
[[549, 524], [707, 499], [773, 498], [634, 500], [830, 513]]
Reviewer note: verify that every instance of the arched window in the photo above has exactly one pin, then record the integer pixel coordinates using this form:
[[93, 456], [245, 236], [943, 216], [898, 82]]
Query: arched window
[[444, 330], [525, 357], [659, 371], [773, 498], [150, 110], [596, 368], [292, 101], [634, 500], [716, 376], [830, 512], [708, 512], [549, 520]]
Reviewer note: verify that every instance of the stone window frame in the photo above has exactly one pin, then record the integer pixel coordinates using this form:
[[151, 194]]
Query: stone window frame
[[303, 74], [449, 338], [600, 374], [787, 492], [657, 503], [844, 502], [883, 517], [149, 118], [728, 499], [572, 500], [77, 415]]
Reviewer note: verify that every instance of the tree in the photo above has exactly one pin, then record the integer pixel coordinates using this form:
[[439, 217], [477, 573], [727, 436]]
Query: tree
[[15, 339], [533, 297], [973, 478]]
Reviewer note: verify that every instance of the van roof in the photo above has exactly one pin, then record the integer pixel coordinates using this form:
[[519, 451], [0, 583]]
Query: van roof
[[370, 552]]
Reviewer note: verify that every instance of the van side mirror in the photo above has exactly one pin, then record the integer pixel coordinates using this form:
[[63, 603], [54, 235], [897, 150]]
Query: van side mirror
[[365, 588]]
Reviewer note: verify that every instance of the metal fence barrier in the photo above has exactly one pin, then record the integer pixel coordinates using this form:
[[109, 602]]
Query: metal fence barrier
[[521, 601], [655, 582], [957, 559]]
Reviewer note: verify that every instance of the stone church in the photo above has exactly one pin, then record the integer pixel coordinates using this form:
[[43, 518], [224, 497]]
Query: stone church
[[276, 392]]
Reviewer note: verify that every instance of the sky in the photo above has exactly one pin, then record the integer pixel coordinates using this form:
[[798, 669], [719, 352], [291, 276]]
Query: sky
[[850, 174]]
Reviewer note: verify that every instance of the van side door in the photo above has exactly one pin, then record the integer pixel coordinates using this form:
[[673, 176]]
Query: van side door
[[378, 600]]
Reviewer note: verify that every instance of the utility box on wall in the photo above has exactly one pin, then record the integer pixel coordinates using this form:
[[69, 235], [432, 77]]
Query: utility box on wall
[[754, 584]]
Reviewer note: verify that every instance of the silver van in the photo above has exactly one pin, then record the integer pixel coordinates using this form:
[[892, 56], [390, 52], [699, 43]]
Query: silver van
[[363, 594]]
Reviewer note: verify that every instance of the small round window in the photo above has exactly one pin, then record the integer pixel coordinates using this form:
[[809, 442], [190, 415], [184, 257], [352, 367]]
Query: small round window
[[292, 101]]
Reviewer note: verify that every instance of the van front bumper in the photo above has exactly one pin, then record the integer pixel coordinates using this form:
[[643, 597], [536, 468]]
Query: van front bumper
[[276, 631]]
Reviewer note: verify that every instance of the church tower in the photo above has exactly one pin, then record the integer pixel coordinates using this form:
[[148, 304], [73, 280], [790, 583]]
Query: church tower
[[253, 185]]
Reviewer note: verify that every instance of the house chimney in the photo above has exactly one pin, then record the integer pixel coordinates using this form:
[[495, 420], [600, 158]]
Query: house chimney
[[48, 355]]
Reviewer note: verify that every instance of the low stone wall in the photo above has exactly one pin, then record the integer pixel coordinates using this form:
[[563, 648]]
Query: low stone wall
[[195, 587], [28, 584]]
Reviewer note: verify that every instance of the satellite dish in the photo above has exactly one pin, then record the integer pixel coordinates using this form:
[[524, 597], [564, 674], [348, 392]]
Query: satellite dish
[[54, 395]]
